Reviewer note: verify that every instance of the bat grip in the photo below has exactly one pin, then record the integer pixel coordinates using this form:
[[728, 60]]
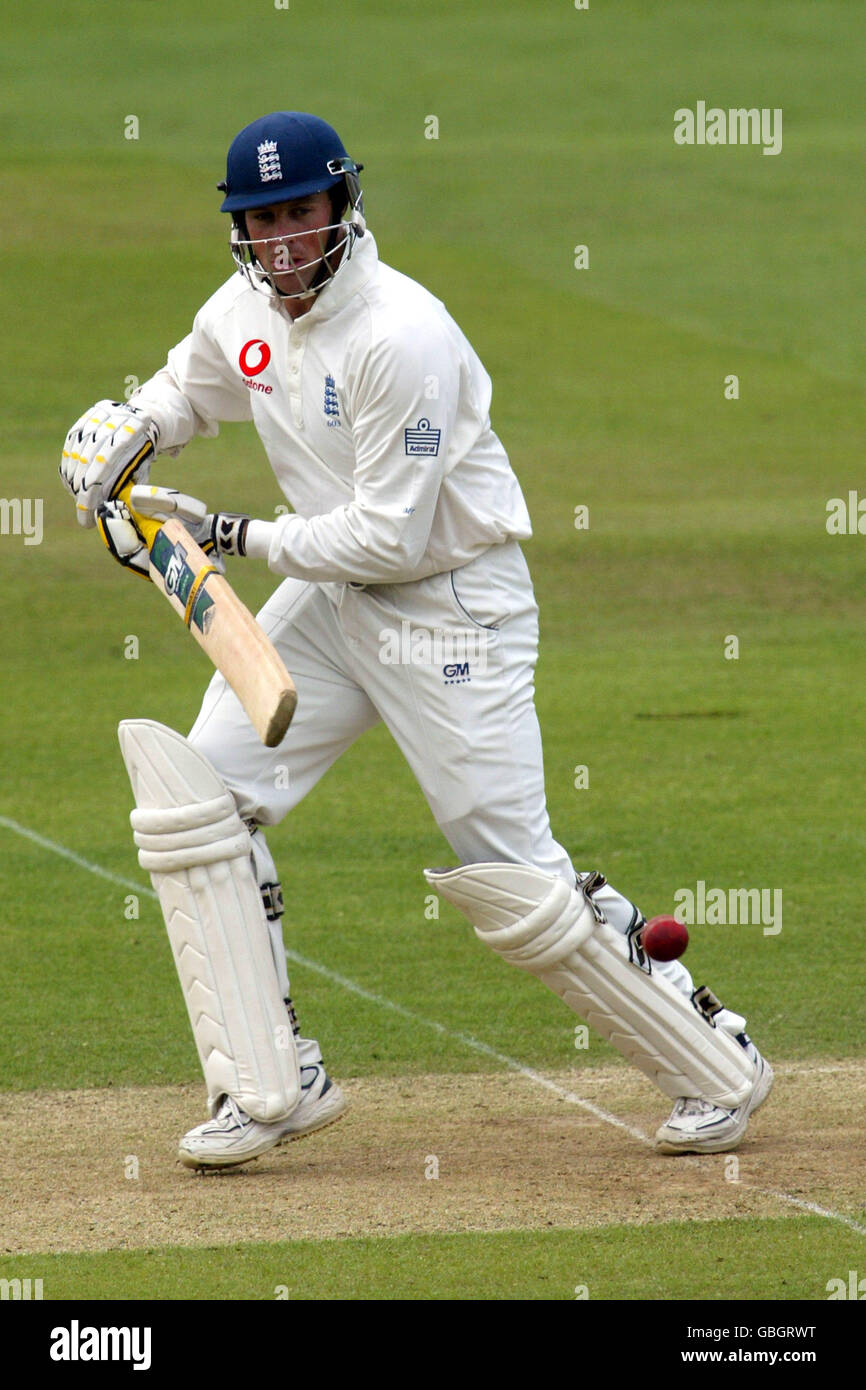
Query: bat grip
[[148, 526]]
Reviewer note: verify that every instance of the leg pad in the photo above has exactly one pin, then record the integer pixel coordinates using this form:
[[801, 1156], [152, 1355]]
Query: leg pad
[[542, 925], [197, 850]]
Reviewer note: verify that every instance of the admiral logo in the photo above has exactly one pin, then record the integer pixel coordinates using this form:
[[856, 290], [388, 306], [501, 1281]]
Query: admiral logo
[[254, 357], [269, 161], [423, 439]]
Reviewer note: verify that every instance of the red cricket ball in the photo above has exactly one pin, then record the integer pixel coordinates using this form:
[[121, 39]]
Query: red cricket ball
[[664, 938]]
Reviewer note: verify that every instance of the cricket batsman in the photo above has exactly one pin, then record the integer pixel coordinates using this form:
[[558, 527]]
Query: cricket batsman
[[404, 597]]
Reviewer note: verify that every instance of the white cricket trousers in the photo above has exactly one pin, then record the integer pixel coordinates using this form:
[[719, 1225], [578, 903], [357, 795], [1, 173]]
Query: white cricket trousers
[[447, 664]]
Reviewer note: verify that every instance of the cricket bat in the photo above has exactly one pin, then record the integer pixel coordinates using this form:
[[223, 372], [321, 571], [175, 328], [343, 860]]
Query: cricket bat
[[223, 626]]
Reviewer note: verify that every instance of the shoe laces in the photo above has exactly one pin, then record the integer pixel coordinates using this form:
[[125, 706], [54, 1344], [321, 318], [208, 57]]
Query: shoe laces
[[231, 1110], [693, 1105]]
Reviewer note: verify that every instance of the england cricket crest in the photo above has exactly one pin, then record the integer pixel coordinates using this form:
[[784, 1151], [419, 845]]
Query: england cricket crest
[[332, 404], [269, 161]]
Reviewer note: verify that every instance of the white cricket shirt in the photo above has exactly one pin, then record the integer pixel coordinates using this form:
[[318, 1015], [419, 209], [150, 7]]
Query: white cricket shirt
[[374, 412]]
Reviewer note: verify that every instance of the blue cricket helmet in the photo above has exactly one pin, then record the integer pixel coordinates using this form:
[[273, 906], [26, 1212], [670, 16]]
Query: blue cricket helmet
[[287, 154]]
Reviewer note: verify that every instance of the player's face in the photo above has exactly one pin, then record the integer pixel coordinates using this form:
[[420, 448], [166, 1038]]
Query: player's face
[[289, 239]]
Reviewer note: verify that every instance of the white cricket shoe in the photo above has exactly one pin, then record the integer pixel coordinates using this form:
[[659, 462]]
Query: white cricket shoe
[[699, 1127], [232, 1137]]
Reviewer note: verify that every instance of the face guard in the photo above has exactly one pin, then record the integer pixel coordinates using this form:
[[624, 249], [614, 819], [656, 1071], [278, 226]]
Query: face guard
[[261, 260], [276, 253]]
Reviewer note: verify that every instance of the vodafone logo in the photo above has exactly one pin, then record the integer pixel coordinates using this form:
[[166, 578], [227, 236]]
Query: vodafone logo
[[255, 356]]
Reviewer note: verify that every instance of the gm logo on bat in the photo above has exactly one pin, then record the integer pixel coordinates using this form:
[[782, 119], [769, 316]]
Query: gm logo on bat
[[182, 584], [174, 573]]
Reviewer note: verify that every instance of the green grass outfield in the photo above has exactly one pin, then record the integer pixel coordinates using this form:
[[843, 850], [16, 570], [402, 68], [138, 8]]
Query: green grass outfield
[[707, 521], [667, 1261]]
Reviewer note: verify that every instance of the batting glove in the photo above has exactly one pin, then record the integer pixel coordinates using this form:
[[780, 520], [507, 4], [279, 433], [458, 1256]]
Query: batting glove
[[110, 446], [218, 533], [122, 537], [225, 533], [128, 531]]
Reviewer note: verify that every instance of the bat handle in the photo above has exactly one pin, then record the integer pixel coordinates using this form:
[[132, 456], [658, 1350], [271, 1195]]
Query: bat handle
[[147, 525]]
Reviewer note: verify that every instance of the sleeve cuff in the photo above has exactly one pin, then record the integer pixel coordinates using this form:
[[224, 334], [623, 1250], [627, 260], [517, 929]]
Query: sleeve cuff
[[258, 539]]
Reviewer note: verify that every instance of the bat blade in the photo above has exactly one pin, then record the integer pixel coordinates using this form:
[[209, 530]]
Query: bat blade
[[224, 628]]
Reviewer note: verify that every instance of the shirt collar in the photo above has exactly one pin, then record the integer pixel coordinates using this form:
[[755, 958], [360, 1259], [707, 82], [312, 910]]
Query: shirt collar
[[351, 275]]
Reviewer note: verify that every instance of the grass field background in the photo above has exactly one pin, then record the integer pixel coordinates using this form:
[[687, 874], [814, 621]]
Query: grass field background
[[707, 520]]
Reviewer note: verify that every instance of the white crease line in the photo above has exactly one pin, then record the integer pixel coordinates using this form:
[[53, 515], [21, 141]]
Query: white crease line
[[466, 1039], [469, 1041], [813, 1207], [74, 858], [350, 985]]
